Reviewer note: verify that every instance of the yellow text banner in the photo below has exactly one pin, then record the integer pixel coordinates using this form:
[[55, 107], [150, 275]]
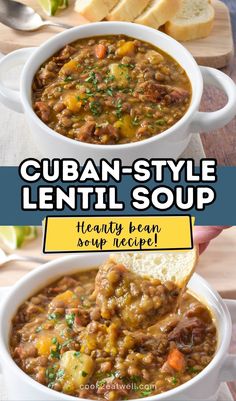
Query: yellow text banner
[[117, 233]]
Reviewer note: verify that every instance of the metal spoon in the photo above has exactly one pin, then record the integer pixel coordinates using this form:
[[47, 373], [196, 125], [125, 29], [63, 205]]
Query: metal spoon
[[23, 18], [4, 258]]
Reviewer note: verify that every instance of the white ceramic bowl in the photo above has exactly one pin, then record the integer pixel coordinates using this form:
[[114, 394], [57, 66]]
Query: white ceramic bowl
[[203, 387], [170, 144]]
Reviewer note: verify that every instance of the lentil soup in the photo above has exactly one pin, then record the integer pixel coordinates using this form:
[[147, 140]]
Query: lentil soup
[[66, 339], [110, 90]]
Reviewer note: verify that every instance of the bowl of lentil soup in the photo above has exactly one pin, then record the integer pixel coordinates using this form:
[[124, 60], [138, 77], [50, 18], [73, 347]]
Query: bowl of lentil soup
[[112, 89], [39, 373]]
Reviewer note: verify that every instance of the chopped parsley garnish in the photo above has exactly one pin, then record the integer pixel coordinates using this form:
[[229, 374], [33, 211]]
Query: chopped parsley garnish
[[88, 68], [135, 379], [95, 108], [109, 78], [77, 353], [60, 373], [135, 121], [131, 66], [83, 100], [68, 78], [50, 374], [126, 90], [115, 374], [38, 329], [174, 380], [55, 354], [110, 92], [147, 392], [55, 350], [67, 342], [101, 383], [53, 316], [84, 374], [89, 92], [161, 122], [119, 106], [70, 318], [92, 78], [192, 369]]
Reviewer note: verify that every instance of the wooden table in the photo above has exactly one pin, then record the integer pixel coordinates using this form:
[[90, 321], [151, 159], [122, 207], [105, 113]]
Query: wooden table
[[222, 145]]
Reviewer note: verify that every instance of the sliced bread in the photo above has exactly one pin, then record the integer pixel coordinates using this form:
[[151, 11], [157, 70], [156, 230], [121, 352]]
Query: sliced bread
[[194, 20], [158, 12], [127, 10], [176, 266], [94, 10]]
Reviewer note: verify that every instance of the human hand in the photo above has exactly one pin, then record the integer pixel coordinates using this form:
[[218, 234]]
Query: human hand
[[202, 235]]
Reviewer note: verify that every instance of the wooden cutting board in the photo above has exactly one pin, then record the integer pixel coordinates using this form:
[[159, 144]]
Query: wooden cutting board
[[215, 51]]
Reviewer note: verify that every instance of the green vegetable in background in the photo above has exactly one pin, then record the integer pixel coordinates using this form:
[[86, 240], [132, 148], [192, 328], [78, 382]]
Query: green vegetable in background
[[50, 7], [13, 237]]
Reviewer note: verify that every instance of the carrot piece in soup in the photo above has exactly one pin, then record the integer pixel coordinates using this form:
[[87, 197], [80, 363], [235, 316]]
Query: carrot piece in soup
[[100, 51], [176, 360]]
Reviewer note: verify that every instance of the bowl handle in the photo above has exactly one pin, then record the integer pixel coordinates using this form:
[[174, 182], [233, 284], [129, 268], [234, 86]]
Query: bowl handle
[[10, 97], [217, 119], [228, 370]]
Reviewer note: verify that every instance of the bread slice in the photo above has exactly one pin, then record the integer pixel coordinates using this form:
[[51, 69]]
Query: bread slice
[[94, 10], [176, 266], [127, 10], [193, 21], [158, 12]]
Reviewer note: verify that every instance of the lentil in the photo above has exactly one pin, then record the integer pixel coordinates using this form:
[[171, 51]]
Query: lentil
[[110, 80], [114, 350]]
